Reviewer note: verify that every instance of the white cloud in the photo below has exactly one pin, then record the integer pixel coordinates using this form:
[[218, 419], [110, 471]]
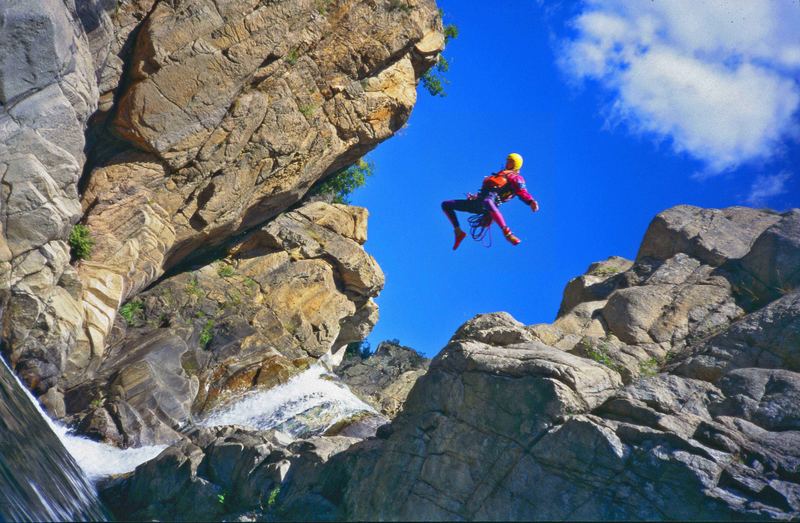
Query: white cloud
[[767, 186], [717, 78]]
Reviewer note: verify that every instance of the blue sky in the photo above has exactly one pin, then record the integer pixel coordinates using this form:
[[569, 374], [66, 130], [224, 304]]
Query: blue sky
[[620, 109]]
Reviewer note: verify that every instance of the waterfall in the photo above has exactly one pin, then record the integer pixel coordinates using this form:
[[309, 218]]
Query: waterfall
[[306, 405], [39, 479], [45, 472]]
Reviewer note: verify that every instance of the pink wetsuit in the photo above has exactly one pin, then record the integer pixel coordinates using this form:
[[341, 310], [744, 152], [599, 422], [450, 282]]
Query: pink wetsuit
[[489, 198]]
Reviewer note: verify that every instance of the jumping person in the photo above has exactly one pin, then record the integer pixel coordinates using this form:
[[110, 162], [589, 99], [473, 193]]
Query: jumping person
[[496, 189]]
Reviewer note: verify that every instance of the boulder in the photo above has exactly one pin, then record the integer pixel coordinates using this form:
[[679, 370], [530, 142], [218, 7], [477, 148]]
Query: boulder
[[712, 236]]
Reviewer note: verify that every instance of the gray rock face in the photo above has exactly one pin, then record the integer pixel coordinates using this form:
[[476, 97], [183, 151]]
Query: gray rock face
[[712, 236], [385, 378], [460, 433], [502, 428], [47, 92], [216, 474]]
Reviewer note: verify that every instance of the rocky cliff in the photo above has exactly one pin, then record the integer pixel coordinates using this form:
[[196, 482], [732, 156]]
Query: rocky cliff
[[667, 388], [177, 132]]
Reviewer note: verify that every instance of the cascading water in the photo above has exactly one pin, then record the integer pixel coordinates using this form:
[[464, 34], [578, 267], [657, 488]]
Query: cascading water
[[39, 479], [307, 404], [44, 470]]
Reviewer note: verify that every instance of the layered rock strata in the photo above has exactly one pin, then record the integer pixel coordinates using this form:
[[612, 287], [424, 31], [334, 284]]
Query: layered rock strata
[[279, 300], [184, 124]]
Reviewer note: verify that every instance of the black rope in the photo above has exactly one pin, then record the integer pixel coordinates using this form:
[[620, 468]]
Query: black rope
[[479, 228]]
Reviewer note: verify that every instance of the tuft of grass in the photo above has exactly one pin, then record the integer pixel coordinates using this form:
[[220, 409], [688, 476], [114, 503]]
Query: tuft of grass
[[207, 333], [132, 312], [649, 367], [193, 287], [600, 354], [96, 403], [292, 56], [80, 242], [607, 270], [307, 110], [221, 498], [273, 496], [235, 297], [225, 270], [250, 284]]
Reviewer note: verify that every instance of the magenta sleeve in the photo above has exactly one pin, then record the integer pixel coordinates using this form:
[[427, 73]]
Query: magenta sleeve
[[518, 184]]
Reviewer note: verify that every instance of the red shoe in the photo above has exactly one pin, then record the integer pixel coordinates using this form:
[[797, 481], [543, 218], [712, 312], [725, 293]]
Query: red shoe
[[460, 235], [510, 236]]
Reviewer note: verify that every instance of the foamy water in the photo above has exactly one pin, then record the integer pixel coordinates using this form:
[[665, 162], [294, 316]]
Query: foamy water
[[98, 459], [94, 458], [314, 392]]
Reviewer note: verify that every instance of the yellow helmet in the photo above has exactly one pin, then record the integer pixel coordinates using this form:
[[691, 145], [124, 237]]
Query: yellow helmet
[[514, 162]]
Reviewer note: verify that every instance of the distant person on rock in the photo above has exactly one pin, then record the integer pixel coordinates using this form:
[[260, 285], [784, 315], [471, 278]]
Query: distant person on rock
[[496, 189]]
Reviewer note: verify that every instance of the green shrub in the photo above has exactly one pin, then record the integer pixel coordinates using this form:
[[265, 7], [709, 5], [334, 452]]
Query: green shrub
[[359, 349], [132, 312], [292, 56], [434, 80], [80, 242], [341, 184], [207, 334], [225, 271], [273, 496]]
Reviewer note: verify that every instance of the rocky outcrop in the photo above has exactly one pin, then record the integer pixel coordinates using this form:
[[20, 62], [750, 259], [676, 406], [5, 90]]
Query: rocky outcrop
[[47, 93], [282, 297], [600, 415], [232, 112], [505, 427], [219, 474], [184, 124], [384, 378]]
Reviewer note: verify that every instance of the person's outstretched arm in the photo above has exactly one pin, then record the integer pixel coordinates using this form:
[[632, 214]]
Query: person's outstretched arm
[[518, 185]]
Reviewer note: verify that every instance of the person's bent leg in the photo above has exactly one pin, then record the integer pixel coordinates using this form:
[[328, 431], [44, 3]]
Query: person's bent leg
[[494, 212], [497, 216], [450, 206], [449, 210]]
